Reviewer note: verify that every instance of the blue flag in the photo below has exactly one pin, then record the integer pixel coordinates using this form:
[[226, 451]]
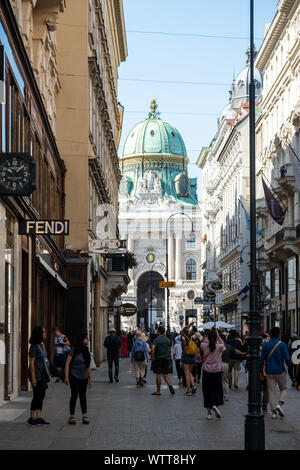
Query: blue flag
[[247, 215]]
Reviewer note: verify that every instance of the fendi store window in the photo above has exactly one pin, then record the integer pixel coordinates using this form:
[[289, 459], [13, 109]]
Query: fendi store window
[[9, 303]]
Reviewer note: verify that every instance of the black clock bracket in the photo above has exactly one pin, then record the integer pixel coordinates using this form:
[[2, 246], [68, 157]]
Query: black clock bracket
[[17, 174]]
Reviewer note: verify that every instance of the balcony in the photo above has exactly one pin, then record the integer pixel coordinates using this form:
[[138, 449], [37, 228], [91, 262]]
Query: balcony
[[283, 244], [286, 180]]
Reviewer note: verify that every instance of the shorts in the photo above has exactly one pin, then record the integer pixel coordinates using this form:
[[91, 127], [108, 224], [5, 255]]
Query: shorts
[[188, 359], [161, 366], [235, 364]]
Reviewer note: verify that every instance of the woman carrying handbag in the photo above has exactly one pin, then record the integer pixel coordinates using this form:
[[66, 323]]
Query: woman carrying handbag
[[212, 368]]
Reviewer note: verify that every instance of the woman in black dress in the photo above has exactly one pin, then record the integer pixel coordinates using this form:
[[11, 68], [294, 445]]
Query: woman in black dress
[[39, 375]]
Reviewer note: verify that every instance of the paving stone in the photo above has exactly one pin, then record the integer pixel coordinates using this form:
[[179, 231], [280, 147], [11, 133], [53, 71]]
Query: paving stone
[[127, 418]]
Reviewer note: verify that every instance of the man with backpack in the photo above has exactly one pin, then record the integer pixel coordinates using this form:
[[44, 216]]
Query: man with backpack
[[273, 356], [139, 358], [112, 343]]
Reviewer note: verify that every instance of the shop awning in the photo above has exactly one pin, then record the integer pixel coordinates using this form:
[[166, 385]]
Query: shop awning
[[52, 272]]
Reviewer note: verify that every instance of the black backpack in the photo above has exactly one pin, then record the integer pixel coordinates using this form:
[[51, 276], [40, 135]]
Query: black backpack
[[139, 356]]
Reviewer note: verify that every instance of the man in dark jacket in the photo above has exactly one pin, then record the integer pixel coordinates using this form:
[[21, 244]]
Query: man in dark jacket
[[274, 355], [112, 343], [235, 359]]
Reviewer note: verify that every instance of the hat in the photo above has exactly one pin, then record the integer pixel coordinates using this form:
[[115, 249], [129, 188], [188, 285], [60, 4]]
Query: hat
[[112, 330]]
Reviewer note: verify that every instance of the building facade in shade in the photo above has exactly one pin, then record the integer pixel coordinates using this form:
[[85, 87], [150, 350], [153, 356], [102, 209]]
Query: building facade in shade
[[278, 156], [225, 198], [91, 45], [32, 268], [155, 192]]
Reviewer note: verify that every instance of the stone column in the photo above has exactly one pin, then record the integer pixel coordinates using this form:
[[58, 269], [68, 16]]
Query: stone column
[[171, 257], [290, 212], [296, 208], [178, 257], [130, 245]]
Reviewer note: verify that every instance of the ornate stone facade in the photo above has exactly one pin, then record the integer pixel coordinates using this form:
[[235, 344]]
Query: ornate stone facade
[[38, 21], [278, 156]]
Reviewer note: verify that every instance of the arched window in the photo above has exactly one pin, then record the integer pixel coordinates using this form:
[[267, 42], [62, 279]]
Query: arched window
[[190, 270]]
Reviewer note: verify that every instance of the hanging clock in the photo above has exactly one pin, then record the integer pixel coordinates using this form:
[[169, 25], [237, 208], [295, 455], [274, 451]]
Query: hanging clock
[[17, 174]]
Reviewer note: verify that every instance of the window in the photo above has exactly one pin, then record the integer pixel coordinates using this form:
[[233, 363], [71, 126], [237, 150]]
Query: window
[[291, 274], [191, 270], [190, 242]]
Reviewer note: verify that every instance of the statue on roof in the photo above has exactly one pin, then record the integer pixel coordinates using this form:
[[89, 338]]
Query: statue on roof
[[154, 106]]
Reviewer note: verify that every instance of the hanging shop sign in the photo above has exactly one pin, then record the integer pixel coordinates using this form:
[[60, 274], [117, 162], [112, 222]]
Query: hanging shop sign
[[127, 310], [17, 174], [216, 285], [164, 284], [44, 227]]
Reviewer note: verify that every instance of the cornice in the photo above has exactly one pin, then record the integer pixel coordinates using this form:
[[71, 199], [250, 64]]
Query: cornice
[[274, 32]]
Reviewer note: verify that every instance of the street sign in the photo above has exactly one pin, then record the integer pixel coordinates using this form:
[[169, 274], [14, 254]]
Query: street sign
[[127, 310], [216, 285], [164, 284], [210, 295], [129, 299], [198, 300], [181, 317]]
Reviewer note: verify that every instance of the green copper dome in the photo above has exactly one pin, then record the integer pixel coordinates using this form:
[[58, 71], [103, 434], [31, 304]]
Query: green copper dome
[[154, 136]]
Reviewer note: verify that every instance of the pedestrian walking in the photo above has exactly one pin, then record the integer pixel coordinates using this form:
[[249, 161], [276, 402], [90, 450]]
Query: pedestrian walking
[[188, 359], [146, 338], [225, 363], [235, 360], [139, 358], [130, 339], [212, 368], [291, 350], [61, 349], [198, 358], [161, 356], [78, 375], [124, 346], [177, 353], [112, 343], [273, 357], [38, 374]]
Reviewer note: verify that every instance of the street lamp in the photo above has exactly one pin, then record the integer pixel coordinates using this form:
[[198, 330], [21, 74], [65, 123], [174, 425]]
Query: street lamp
[[254, 423], [167, 257], [151, 271]]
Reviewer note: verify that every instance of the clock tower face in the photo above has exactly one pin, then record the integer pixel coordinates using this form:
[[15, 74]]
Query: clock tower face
[[17, 174]]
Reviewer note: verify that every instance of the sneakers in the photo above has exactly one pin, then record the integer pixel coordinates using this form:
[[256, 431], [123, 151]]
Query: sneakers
[[209, 416], [226, 398], [274, 415], [116, 379], [144, 381], [279, 410], [236, 387], [194, 390], [41, 422], [31, 422], [217, 412], [172, 391], [188, 394]]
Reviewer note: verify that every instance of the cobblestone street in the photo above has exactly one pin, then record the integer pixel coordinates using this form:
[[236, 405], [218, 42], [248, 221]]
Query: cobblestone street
[[126, 418]]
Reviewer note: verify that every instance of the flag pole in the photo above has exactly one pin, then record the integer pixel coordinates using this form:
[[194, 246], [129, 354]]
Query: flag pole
[[254, 423]]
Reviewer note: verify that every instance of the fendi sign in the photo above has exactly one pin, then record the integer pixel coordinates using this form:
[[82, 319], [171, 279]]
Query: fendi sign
[[44, 227]]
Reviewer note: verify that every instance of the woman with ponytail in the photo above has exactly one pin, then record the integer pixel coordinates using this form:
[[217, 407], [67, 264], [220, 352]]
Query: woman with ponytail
[[78, 374], [212, 368]]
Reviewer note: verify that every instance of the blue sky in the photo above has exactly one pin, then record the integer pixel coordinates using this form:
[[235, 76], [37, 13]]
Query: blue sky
[[188, 59]]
